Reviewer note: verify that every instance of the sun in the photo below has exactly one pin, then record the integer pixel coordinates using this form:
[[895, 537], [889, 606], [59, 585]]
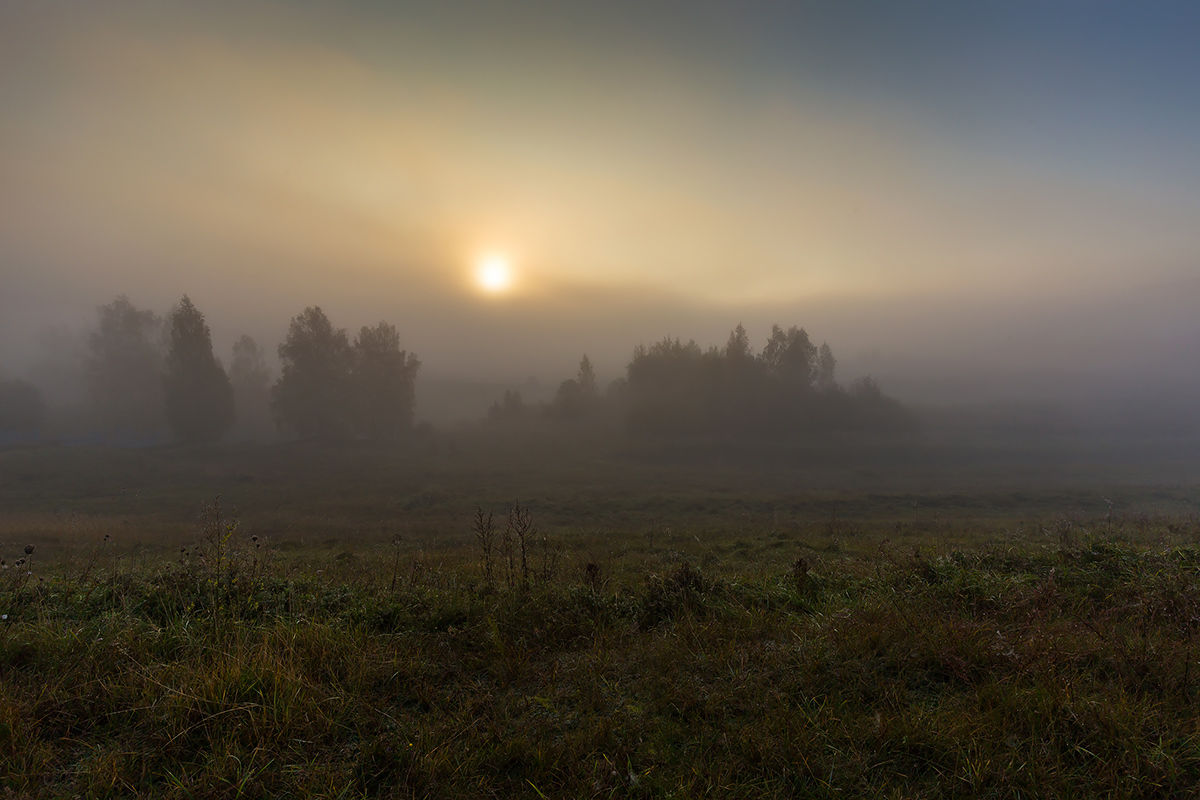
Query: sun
[[493, 273]]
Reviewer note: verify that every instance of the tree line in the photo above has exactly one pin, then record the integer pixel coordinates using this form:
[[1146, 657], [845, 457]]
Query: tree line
[[144, 373], [672, 388]]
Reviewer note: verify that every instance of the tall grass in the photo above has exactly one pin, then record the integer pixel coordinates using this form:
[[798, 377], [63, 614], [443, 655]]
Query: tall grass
[[1056, 662]]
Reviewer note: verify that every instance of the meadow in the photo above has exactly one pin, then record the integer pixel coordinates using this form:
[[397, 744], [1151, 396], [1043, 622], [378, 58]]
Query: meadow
[[513, 613]]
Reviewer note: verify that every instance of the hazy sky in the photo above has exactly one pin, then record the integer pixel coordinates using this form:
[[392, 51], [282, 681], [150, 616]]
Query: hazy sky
[[992, 187]]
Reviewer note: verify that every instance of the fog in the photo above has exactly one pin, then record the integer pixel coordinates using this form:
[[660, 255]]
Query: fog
[[994, 208]]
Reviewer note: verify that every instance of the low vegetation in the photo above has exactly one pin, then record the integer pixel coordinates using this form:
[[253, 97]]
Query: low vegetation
[[895, 659]]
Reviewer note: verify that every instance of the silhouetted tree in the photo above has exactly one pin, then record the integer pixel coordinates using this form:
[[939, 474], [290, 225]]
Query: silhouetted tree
[[22, 407], [198, 395], [124, 367], [665, 388], [251, 380], [510, 408], [313, 394], [826, 365], [383, 382], [790, 357], [737, 385], [577, 396], [567, 399], [737, 349], [586, 378]]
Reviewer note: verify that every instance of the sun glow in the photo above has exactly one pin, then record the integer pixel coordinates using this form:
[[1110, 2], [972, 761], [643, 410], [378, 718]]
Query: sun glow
[[493, 273]]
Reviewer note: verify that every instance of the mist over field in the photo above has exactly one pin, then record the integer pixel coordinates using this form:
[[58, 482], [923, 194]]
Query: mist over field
[[975, 211]]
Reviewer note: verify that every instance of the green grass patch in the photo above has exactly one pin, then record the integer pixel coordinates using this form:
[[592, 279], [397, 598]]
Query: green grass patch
[[1057, 662]]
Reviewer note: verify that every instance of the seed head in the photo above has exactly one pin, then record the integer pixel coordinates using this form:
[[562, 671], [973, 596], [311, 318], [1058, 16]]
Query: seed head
[[254, 538], [28, 549]]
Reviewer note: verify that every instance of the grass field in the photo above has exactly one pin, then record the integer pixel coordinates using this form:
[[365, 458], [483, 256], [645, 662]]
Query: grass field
[[681, 621]]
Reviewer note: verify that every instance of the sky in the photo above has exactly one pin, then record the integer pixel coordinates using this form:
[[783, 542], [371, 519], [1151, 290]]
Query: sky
[[965, 199]]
